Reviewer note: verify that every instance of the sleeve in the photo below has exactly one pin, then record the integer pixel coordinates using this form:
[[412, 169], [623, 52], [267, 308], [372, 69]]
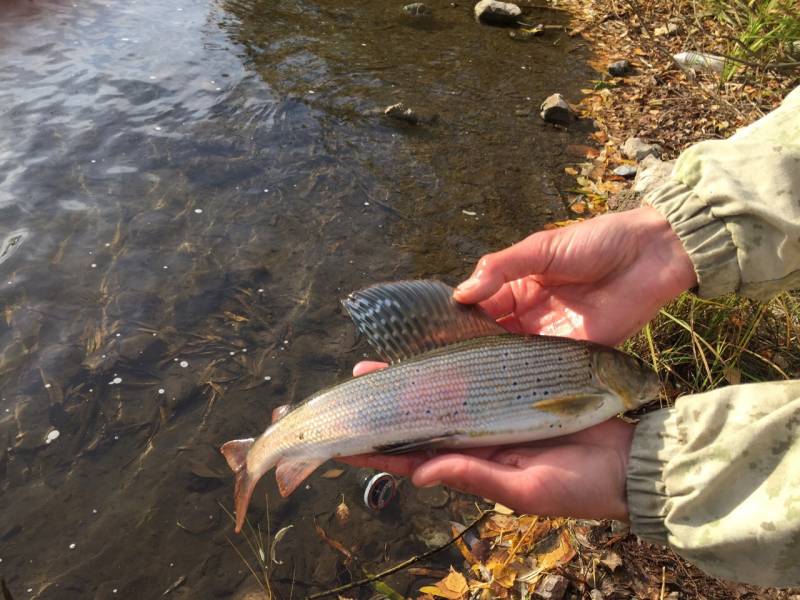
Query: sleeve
[[735, 205], [717, 478]]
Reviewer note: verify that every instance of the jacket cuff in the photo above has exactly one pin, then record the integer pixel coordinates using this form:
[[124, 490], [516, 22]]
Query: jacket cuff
[[646, 491], [705, 238]]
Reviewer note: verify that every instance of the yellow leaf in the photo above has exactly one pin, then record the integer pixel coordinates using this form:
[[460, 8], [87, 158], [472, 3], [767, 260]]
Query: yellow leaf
[[500, 508], [332, 473], [456, 582], [570, 170], [558, 556]]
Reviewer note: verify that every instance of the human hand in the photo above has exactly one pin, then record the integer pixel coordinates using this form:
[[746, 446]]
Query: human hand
[[580, 475], [599, 280]]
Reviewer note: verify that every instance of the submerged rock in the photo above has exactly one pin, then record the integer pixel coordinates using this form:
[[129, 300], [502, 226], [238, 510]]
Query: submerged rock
[[417, 9], [435, 497], [497, 13], [636, 149], [620, 68], [555, 109], [401, 112]]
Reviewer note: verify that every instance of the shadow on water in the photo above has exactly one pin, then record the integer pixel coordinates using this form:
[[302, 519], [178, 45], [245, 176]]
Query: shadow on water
[[185, 192]]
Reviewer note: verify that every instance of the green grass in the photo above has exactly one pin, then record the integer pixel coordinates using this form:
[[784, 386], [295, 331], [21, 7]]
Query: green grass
[[698, 345], [758, 31]]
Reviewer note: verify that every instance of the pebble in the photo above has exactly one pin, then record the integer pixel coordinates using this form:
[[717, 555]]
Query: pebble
[[184, 364], [637, 149], [620, 68], [551, 587], [626, 171], [497, 13], [555, 109], [52, 436], [417, 9]]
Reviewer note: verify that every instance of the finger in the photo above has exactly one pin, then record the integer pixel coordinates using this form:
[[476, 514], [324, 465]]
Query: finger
[[473, 475], [367, 366], [529, 257], [399, 465]]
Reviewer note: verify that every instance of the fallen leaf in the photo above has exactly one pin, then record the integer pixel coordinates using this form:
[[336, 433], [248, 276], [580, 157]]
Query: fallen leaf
[[502, 509], [332, 473]]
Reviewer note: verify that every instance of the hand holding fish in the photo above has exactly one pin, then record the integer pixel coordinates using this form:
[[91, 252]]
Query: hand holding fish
[[458, 379], [580, 475], [600, 280]]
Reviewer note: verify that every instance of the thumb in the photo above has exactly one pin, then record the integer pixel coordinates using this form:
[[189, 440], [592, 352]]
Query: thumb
[[531, 256]]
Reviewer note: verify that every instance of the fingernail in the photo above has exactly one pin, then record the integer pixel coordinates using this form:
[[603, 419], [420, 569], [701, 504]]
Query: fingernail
[[469, 285]]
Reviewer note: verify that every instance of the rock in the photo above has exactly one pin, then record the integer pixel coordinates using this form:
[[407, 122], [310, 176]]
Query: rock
[[665, 30], [652, 173], [795, 51], [636, 149], [431, 532], [625, 171], [596, 595], [435, 497], [556, 110], [400, 112], [417, 9], [552, 587], [497, 13], [620, 68]]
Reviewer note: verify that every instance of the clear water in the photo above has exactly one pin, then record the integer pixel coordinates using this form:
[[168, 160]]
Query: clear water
[[186, 190]]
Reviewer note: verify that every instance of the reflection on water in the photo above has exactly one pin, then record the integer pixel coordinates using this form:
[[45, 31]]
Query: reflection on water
[[186, 189]]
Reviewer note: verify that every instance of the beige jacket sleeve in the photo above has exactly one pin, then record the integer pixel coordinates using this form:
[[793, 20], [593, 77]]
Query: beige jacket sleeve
[[717, 477], [735, 205]]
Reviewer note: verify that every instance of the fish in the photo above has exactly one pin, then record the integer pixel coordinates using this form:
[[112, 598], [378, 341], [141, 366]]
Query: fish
[[455, 379]]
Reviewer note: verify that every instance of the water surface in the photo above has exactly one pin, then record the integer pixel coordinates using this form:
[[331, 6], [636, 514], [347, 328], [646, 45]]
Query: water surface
[[186, 190]]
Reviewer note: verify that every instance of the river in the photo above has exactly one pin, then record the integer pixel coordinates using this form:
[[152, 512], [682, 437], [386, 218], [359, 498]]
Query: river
[[187, 189]]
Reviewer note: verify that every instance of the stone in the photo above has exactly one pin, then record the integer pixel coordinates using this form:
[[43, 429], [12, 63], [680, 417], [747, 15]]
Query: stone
[[431, 532], [435, 497], [636, 149], [795, 51], [651, 174], [552, 587], [626, 171], [417, 9], [596, 595], [666, 30], [400, 112], [497, 13], [620, 68], [555, 109]]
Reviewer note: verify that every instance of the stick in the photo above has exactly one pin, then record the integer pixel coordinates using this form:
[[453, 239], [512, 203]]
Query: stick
[[414, 559]]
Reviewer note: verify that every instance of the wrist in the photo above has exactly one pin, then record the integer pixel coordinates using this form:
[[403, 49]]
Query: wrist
[[671, 266]]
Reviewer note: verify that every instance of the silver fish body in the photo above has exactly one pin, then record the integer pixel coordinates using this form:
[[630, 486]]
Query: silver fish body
[[496, 389]]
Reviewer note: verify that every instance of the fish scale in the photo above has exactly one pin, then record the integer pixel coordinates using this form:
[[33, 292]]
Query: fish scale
[[453, 382]]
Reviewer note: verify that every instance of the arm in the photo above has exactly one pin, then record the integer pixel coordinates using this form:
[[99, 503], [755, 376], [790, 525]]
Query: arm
[[717, 478], [735, 205]]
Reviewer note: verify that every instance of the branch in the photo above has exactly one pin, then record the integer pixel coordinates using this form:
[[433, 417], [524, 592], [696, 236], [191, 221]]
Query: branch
[[406, 563]]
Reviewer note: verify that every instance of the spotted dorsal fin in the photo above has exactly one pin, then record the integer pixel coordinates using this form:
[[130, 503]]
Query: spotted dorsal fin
[[406, 318]]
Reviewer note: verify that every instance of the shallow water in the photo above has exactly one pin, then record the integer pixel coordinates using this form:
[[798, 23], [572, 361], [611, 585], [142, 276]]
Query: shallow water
[[186, 190]]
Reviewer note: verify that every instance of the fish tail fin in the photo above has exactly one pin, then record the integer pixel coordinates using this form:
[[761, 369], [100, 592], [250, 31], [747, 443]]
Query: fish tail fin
[[235, 452]]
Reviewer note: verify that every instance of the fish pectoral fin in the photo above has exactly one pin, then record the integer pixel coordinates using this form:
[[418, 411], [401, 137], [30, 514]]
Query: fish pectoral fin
[[235, 452], [571, 405], [406, 318], [291, 471], [411, 445], [281, 411]]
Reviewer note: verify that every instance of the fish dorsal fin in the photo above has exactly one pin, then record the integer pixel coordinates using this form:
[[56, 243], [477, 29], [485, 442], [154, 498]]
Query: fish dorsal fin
[[406, 318]]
